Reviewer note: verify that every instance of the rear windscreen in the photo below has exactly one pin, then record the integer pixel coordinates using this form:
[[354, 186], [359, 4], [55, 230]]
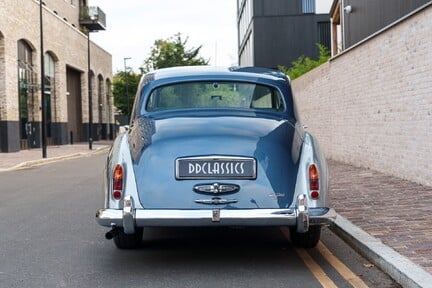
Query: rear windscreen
[[205, 94]]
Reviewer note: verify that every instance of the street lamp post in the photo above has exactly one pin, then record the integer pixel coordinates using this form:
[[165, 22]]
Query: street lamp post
[[90, 104], [127, 87], [43, 99], [93, 19]]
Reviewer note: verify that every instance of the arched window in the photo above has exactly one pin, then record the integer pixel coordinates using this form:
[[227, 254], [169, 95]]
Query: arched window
[[100, 105], [2, 85], [27, 88], [93, 90], [2, 76], [108, 108], [49, 81]]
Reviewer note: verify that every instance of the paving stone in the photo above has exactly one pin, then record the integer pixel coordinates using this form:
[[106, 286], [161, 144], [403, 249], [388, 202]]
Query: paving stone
[[394, 210]]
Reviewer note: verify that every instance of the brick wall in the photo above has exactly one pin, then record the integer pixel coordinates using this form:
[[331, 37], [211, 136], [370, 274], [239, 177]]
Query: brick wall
[[65, 9], [372, 105], [64, 41]]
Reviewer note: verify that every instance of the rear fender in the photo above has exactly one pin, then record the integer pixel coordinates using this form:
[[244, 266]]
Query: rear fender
[[311, 154], [119, 154]]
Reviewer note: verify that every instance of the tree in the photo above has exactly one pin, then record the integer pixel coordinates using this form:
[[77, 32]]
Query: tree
[[304, 64], [172, 52], [164, 53], [119, 90]]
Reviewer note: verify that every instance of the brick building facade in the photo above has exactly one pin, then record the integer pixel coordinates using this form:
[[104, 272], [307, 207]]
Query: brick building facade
[[371, 106], [66, 76]]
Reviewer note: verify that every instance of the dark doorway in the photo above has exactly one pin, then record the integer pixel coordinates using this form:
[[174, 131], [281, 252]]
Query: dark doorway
[[74, 104]]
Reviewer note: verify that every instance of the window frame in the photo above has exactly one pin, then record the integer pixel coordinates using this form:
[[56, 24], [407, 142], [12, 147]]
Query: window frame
[[274, 91]]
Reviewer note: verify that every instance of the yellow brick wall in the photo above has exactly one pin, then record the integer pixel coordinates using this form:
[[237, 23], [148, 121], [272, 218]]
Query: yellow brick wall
[[61, 39]]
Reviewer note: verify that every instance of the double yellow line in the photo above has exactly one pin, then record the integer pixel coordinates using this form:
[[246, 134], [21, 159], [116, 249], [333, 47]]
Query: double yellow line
[[319, 273]]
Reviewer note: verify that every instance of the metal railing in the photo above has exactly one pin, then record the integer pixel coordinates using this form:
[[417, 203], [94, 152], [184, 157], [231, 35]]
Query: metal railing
[[92, 14]]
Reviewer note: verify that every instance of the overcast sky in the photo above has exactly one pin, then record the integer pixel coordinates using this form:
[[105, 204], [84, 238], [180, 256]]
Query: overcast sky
[[134, 25]]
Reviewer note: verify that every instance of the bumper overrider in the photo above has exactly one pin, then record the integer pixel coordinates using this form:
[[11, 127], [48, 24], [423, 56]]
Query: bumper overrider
[[129, 217]]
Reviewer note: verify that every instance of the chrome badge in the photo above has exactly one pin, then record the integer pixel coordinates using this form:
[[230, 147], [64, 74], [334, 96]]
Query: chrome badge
[[216, 188]]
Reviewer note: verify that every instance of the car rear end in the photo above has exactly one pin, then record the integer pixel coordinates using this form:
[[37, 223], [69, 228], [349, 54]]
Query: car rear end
[[214, 149]]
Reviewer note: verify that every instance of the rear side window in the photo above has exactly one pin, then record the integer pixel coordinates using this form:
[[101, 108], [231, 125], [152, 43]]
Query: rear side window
[[215, 95]]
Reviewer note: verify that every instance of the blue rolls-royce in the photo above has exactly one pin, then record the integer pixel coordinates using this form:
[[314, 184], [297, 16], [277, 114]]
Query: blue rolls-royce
[[213, 146]]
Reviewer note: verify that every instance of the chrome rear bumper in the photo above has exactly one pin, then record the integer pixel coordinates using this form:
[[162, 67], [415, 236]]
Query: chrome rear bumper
[[129, 217]]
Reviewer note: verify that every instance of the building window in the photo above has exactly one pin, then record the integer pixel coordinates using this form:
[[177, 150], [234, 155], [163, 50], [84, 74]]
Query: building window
[[108, 107], [100, 105], [245, 19], [26, 92], [324, 36], [247, 53], [49, 82], [308, 6], [2, 77]]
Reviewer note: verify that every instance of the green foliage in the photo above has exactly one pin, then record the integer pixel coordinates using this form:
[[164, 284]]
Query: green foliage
[[119, 90], [164, 53], [304, 64], [172, 52]]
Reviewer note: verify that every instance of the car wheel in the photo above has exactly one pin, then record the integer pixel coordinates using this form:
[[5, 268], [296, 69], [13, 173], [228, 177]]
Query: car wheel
[[306, 240], [128, 241]]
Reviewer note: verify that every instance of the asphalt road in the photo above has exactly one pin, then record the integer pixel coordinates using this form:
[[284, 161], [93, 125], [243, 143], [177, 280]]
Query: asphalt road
[[49, 238]]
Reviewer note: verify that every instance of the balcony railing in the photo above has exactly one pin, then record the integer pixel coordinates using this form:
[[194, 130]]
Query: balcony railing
[[93, 18]]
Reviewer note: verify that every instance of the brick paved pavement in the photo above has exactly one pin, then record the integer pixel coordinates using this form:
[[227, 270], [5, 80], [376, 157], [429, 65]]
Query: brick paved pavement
[[396, 211]]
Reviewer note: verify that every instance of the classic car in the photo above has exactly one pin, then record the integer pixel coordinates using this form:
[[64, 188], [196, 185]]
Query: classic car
[[213, 146]]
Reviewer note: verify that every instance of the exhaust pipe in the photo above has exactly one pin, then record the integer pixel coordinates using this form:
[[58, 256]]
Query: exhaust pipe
[[113, 233]]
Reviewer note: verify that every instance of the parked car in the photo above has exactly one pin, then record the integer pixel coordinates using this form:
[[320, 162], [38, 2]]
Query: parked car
[[215, 147]]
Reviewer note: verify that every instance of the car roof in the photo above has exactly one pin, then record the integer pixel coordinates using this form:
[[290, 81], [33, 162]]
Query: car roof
[[264, 76], [185, 71]]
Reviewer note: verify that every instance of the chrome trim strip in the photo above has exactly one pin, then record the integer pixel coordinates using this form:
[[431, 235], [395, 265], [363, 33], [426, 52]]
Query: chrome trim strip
[[246, 217], [216, 201]]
